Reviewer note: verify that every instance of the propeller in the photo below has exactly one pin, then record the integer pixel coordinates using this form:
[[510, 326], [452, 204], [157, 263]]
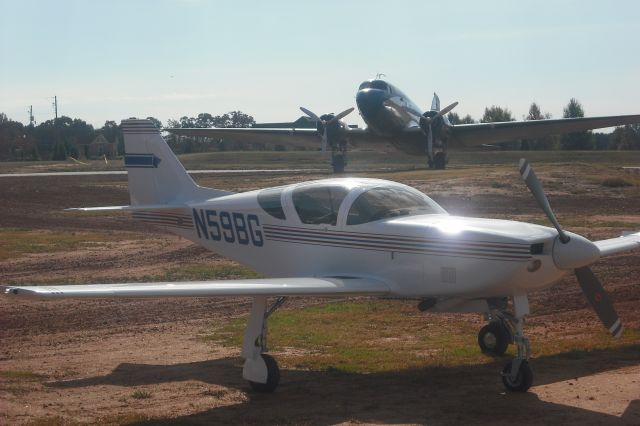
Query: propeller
[[427, 120], [323, 125], [575, 253]]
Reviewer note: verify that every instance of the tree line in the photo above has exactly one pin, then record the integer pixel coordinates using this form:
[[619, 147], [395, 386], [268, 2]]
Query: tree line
[[64, 137]]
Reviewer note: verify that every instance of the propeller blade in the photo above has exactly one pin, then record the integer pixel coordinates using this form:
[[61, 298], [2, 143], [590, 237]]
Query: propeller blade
[[597, 296], [435, 103], [441, 113], [310, 114], [341, 115], [447, 109], [534, 185]]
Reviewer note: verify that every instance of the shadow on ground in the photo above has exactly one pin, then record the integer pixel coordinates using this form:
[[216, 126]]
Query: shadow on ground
[[468, 394]]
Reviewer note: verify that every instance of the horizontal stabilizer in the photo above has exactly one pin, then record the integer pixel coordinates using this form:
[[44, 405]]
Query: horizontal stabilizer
[[256, 287], [126, 208]]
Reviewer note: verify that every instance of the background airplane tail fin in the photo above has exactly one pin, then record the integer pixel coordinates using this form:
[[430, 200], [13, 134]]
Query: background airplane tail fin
[[156, 176]]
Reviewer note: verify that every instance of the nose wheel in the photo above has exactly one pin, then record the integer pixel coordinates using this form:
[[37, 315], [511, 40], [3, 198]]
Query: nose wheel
[[517, 375]]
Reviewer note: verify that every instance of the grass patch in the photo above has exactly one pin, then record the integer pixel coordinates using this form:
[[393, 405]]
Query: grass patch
[[14, 375], [616, 182], [500, 185], [140, 394], [209, 272], [377, 336], [16, 242], [362, 337]]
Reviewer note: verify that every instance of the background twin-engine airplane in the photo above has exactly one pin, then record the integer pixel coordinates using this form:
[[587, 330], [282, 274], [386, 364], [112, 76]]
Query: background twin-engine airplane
[[352, 236], [394, 119]]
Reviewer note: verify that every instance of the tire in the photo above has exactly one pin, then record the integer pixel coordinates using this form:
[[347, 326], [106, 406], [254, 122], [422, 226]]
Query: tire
[[523, 380], [493, 339], [338, 164], [273, 376]]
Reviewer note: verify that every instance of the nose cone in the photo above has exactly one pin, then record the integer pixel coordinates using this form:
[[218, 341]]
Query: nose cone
[[370, 102], [576, 253]]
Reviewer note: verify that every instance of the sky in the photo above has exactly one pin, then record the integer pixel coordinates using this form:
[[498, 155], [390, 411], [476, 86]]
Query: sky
[[109, 60]]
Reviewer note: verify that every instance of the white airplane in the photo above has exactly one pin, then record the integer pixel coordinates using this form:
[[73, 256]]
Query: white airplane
[[352, 236]]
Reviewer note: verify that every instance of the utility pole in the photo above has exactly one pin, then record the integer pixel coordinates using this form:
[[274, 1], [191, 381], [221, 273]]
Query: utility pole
[[32, 121], [55, 105]]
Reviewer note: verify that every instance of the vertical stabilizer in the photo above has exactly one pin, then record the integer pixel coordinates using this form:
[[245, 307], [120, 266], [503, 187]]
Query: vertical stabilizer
[[155, 174]]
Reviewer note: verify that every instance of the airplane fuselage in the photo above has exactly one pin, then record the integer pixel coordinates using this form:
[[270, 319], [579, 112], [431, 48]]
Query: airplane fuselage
[[384, 108], [417, 255]]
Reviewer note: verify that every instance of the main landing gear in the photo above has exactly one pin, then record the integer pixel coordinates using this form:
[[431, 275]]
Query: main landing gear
[[260, 369], [505, 328]]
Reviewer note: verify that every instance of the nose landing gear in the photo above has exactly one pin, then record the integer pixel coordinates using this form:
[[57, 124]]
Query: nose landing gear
[[503, 329]]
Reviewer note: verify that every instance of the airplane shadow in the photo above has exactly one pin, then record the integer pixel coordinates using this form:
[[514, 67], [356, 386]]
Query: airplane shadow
[[468, 394]]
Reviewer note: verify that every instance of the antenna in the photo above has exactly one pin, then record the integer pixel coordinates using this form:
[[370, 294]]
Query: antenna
[[55, 105], [32, 120]]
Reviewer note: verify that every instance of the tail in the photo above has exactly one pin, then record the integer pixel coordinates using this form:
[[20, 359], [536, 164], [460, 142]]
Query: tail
[[156, 177]]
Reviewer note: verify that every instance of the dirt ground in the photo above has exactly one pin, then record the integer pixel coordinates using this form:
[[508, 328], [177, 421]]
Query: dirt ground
[[68, 362]]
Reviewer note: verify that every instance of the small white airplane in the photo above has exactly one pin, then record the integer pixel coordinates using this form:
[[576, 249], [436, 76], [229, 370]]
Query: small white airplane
[[352, 236]]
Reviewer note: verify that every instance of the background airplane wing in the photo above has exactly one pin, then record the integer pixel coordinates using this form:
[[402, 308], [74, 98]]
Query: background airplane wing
[[307, 138], [255, 287], [465, 135]]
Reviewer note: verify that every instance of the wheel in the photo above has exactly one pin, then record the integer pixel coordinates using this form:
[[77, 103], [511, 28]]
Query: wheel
[[338, 164], [440, 161], [523, 379], [273, 376], [493, 338]]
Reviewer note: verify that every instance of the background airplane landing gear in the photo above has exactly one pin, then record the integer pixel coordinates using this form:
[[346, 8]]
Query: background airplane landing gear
[[494, 338], [273, 376]]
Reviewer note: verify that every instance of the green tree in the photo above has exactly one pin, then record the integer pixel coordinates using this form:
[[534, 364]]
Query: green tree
[[625, 137], [576, 140], [544, 143], [495, 114], [155, 122], [455, 119]]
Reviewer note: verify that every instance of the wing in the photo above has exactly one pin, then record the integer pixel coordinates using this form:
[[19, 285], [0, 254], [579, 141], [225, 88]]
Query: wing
[[307, 138], [617, 245], [257, 287], [465, 135]]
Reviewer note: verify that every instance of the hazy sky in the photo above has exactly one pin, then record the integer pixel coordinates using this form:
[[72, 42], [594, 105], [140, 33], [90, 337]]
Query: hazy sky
[[108, 60]]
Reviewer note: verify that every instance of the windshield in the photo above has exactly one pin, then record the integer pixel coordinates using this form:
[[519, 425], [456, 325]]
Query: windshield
[[382, 203]]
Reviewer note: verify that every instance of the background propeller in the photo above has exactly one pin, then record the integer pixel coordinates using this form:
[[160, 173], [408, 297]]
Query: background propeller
[[428, 118], [324, 125], [569, 252]]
